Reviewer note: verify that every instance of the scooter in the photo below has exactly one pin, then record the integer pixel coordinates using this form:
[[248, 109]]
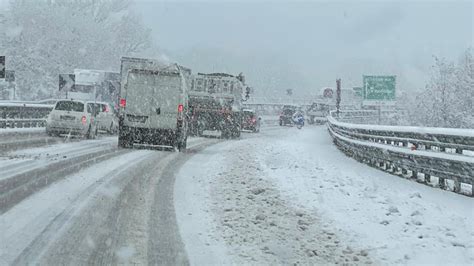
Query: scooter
[[299, 122]]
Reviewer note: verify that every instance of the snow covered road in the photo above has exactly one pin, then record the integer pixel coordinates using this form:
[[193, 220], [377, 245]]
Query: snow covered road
[[282, 196], [289, 196], [113, 210], [20, 138]]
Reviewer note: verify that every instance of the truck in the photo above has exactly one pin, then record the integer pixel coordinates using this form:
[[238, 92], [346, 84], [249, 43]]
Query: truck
[[95, 85], [215, 104], [153, 103]]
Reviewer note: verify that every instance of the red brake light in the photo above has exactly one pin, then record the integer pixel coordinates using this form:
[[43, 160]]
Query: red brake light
[[84, 120], [123, 102], [254, 120], [180, 108], [107, 108]]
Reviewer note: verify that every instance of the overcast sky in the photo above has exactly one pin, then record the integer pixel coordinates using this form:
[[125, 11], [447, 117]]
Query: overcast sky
[[307, 45]]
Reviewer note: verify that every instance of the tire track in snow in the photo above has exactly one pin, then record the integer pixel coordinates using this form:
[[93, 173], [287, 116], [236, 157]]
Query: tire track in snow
[[122, 220], [19, 187]]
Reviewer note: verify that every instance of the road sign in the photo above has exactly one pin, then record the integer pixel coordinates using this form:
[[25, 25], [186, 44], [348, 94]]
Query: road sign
[[378, 89], [328, 92], [66, 82], [9, 75], [2, 67]]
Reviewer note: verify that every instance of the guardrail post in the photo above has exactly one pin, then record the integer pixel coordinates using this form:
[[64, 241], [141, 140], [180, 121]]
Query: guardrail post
[[457, 185], [427, 178], [441, 182]]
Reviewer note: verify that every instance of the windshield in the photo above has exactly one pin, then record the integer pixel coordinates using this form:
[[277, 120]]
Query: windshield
[[237, 132], [69, 106]]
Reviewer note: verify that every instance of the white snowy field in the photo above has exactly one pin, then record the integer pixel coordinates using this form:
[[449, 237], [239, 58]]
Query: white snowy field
[[288, 195]]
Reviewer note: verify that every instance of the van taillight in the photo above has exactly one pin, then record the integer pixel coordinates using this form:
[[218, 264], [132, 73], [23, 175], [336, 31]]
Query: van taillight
[[123, 102], [84, 119], [180, 108]]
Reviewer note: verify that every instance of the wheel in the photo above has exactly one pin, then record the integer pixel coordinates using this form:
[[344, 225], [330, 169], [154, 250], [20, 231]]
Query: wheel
[[89, 133], [111, 128], [51, 134], [237, 132], [124, 140], [182, 145]]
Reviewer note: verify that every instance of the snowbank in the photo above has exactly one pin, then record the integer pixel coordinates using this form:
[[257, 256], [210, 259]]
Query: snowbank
[[289, 196]]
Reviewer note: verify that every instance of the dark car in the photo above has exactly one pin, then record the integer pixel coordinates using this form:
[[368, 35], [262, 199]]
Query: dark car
[[250, 121], [286, 116]]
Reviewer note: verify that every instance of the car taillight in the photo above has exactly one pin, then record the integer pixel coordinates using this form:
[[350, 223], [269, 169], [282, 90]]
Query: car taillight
[[84, 120], [180, 112], [123, 102], [254, 120], [107, 108]]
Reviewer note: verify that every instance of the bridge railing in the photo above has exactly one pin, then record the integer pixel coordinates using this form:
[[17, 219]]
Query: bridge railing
[[21, 115], [441, 157]]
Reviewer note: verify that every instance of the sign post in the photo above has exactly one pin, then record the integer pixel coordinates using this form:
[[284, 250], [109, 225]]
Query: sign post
[[66, 82], [338, 96], [2, 67], [10, 79]]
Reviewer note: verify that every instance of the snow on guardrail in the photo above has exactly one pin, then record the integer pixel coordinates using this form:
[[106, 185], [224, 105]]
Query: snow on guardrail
[[24, 114], [441, 157]]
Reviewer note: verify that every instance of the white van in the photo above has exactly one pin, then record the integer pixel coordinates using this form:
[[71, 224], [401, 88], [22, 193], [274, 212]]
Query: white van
[[72, 117], [153, 102]]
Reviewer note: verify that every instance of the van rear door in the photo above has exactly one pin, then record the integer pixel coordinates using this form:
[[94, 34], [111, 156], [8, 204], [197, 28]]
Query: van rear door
[[152, 99]]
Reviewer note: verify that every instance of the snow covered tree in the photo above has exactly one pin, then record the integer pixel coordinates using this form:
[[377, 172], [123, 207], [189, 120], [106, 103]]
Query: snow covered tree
[[45, 37], [464, 90], [448, 98]]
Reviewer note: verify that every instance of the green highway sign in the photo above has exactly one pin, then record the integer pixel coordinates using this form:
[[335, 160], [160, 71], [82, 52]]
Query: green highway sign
[[379, 89]]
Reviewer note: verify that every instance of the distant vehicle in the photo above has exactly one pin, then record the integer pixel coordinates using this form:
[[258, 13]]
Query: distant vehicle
[[153, 104], [215, 104], [298, 119], [73, 117], [250, 120], [317, 113], [106, 118], [91, 85], [287, 114]]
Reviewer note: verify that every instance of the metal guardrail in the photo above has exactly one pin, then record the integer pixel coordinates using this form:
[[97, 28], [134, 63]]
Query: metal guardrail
[[23, 115], [439, 157]]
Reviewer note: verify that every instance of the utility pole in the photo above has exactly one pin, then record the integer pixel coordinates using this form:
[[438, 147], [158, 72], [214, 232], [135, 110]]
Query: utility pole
[[338, 96]]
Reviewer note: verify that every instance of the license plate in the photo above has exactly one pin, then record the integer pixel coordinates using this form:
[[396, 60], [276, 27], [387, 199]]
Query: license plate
[[67, 117], [137, 118]]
